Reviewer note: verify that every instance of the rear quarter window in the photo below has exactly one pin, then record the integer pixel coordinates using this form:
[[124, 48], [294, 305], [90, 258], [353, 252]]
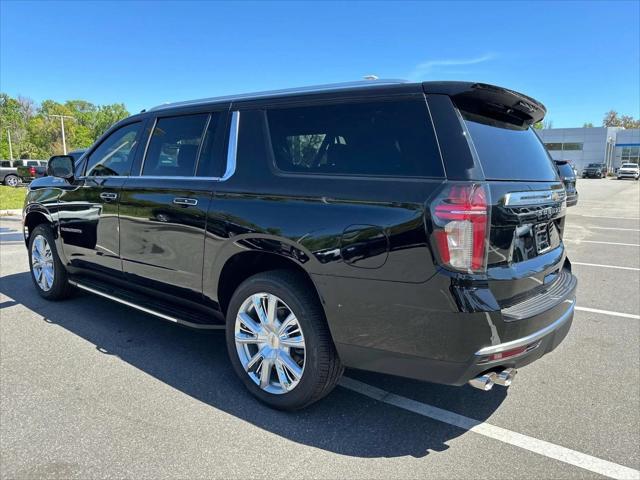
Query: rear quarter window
[[376, 138], [507, 151]]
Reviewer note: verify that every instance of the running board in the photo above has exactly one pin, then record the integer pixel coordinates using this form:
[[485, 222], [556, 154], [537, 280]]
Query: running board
[[164, 316]]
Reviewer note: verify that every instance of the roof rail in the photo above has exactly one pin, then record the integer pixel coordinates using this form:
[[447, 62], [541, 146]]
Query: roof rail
[[283, 92]]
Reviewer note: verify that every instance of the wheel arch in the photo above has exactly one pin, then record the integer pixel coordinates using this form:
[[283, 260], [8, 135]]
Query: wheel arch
[[34, 217], [242, 265]]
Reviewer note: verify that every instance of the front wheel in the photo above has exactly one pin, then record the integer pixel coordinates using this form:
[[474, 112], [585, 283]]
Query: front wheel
[[47, 272], [11, 181], [279, 341]]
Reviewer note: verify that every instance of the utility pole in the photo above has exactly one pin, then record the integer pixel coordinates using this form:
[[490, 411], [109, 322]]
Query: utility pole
[[64, 141], [10, 148]]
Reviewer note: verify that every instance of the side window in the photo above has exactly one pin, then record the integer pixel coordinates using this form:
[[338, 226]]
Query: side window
[[386, 138], [174, 146], [5, 164], [212, 160], [114, 155], [32, 163]]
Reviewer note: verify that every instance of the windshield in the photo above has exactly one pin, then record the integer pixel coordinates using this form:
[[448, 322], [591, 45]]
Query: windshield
[[507, 151], [629, 165], [596, 165]]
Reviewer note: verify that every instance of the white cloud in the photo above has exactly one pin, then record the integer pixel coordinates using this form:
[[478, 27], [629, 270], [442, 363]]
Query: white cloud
[[424, 68]]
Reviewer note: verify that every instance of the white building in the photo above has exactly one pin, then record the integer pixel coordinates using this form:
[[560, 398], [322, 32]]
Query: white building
[[581, 146]]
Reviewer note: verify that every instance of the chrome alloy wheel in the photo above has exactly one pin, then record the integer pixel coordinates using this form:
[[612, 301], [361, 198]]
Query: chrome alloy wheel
[[12, 181], [42, 263], [270, 343]]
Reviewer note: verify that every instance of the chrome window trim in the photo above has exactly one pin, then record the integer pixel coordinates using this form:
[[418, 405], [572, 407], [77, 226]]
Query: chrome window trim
[[515, 199], [232, 147]]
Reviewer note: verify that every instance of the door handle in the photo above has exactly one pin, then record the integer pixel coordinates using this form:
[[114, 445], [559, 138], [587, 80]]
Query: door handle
[[108, 196], [187, 202]]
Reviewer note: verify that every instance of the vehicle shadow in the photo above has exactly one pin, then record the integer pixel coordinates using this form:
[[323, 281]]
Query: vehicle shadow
[[196, 364]]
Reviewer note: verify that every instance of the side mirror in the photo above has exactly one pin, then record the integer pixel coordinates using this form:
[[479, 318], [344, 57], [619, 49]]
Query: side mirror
[[61, 166]]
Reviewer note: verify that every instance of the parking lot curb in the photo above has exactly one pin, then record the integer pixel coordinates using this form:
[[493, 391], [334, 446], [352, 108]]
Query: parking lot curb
[[10, 213]]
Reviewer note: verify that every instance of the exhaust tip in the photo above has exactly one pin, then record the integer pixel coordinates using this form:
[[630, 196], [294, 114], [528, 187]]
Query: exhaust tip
[[505, 377], [484, 382]]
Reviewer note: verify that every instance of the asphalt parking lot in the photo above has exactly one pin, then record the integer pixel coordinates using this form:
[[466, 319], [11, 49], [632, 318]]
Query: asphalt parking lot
[[92, 389]]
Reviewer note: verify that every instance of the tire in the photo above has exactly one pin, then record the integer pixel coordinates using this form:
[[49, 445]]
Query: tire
[[41, 244], [11, 181], [318, 365]]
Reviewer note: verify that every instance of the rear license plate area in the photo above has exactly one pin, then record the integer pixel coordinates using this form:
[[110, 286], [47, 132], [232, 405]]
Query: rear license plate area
[[541, 237]]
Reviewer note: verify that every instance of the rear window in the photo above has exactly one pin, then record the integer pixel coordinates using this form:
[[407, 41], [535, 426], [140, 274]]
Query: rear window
[[565, 170], [393, 138], [508, 151]]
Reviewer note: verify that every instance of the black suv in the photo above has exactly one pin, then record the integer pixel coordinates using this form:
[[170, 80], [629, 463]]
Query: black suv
[[594, 170], [568, 176], [413, 229]]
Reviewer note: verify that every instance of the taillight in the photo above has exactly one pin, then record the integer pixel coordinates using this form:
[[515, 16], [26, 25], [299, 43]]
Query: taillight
[[461, 221], [32, 171]]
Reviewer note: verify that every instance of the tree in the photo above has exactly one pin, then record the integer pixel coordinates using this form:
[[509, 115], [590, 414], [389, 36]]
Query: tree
[[612, 119], [106, 116], [542, 124], [11, 123], [36, 131], [587, 125]]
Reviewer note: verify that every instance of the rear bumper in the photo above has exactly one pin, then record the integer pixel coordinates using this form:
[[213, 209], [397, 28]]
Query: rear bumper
[[540, 343], [423, 341]]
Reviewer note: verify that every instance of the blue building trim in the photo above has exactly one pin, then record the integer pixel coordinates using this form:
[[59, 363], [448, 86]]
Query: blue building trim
[[627, 144]]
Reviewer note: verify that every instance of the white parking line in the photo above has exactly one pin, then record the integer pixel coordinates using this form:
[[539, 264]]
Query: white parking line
[[605, 216], [614, 228], [9, 233], [606, 243], [605, 266], [609, 312], [547, 449]]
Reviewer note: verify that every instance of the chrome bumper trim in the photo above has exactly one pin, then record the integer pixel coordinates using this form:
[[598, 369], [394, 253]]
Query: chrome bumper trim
[[521, 342]]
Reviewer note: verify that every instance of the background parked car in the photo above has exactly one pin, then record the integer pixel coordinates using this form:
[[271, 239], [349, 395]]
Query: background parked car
[[32, 169], [9, 172], [629, 170], [568, 177], [594, 170]]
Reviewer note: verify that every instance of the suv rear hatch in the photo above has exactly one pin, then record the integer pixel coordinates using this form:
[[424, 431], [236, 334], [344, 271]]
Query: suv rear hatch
[[524, 199]]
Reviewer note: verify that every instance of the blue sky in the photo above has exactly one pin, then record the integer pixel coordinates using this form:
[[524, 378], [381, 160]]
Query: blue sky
[[579, 58]]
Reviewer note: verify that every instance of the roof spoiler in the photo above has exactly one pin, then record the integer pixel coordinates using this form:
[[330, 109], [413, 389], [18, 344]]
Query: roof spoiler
[[490, 100]]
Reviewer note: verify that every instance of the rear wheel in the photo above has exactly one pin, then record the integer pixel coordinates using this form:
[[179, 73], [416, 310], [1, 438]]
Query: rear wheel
[[279, 341], [47, 272], [11, 181]]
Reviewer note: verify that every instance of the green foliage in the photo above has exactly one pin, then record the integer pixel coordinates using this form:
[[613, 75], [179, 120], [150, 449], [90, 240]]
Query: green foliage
[[612, 119], [36, 133], [587, 125], [543, 124]]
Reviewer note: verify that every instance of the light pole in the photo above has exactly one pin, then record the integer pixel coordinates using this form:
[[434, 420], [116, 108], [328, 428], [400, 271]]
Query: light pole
[[64, 141], [10, 148]]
